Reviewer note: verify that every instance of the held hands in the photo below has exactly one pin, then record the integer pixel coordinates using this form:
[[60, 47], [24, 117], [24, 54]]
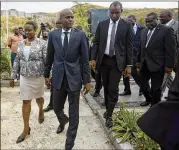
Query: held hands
[[11, 83], [87, 88], [168, 70], [137, 65], [93, 64], [127, 71], [48, 82]]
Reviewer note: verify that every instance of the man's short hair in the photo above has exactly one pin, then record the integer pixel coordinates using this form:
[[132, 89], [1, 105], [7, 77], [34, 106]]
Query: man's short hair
[[116, 3], [132, 16], [153, 14], [20, 28]]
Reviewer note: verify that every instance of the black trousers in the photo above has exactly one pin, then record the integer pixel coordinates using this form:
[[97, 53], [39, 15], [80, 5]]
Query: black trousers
[[98, 80], [111, 78], [51, 97], [136, 78], [153, 95], [59, 98]]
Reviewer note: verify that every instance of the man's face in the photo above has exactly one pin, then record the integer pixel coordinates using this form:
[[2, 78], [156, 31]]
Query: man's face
[[21, 31], [16, 31], [67, 20], [115, 12], [132, 20], [151, 22], [58, 25], [164, 18]]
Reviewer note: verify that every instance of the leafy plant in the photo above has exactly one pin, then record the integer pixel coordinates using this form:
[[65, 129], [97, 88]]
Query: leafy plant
[[126, 128], [5, 61]]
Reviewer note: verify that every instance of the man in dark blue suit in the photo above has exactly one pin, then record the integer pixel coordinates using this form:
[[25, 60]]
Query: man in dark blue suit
[[68, 51], [135, 41]]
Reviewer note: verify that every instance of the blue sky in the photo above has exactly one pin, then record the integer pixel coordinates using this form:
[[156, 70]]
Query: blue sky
[[57, 6]]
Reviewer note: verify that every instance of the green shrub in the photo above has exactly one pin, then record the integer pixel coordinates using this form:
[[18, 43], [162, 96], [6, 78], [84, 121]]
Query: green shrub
[[125, 126], [5, 61]]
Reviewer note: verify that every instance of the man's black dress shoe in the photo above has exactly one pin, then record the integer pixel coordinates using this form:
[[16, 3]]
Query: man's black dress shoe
[[140, 93], [146, 103], [96, 94], [61, 127], [103, 104], [166, 97], [48, 108], [109, 122], [105, 115], [125, 93]]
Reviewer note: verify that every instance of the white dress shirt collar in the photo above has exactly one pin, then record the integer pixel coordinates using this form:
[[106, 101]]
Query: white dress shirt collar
[[168, 23], [66, 31], [111, 22]]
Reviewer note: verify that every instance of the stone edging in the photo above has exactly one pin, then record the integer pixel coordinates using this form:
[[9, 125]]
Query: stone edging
[[96, 110], [5, 83]]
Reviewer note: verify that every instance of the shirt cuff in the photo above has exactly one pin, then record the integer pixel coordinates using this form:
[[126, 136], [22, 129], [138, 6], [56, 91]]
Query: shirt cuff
[[129, 65]]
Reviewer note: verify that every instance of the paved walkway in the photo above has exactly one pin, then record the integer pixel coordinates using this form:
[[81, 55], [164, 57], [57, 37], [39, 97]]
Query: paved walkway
[[90, 135]]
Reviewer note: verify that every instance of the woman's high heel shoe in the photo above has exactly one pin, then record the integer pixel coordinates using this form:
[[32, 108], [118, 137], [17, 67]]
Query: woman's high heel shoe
[[22, 137]]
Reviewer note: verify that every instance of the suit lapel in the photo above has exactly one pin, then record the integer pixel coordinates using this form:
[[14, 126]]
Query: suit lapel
[[59, 40], [145, 36], [105, 29], [137, 32], [120, 28], [154, 34]]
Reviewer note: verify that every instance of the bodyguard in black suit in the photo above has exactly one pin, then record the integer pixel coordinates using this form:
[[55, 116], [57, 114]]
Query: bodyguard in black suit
[[113, 50], [68, 50], [157, 55], [135, 50]]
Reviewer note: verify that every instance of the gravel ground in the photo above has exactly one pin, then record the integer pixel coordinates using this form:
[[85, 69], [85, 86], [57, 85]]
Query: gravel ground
[[91, 134]]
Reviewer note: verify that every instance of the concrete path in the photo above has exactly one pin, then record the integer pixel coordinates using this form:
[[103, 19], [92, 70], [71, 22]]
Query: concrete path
[[91, 134]]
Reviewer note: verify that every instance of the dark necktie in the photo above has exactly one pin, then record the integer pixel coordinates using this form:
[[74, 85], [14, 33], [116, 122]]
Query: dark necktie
[[111, 47], [65, 42]]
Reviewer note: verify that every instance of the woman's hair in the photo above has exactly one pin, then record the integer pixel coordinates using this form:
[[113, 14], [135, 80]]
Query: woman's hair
[[33, 24]]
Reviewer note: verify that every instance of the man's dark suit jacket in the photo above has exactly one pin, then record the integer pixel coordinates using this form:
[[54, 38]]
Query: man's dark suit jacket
[[123, 43], [75, 63], [136, 42], [161, 48], [161, 122]]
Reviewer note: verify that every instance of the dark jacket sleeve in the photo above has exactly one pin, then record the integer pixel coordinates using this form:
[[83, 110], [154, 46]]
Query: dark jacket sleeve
[[129, 46], [49, 57], [95, 48], [84, 59], [170, 48]]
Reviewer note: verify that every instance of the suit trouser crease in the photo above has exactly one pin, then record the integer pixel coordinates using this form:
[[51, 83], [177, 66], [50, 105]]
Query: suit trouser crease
[[153, 96], [97, 77], [111, 78], [59, 98]]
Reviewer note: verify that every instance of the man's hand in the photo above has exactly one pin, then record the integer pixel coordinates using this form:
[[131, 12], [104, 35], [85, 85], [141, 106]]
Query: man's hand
[[48, 82], [127, 71], [87, 88], [11, 83], [93, 64], [168, 70]]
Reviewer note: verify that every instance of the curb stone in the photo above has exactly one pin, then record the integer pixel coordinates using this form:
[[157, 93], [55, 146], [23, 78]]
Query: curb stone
[[96, 110], [5, 83], [92, 103]]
